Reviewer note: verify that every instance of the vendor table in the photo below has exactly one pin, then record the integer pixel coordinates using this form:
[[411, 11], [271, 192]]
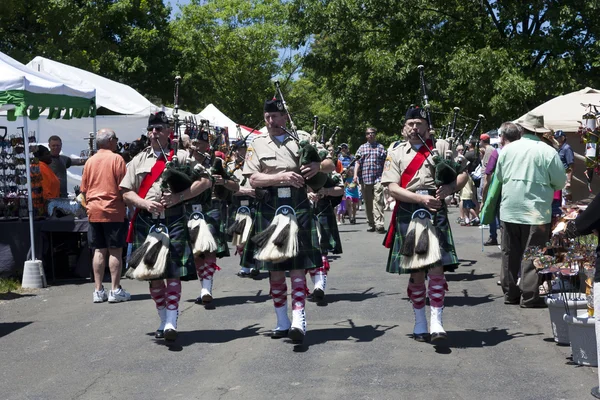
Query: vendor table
[[51, 237]]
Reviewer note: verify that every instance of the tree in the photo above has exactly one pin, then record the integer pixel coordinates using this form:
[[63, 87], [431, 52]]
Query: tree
[[498, 58], [123, 40], [229, 53]]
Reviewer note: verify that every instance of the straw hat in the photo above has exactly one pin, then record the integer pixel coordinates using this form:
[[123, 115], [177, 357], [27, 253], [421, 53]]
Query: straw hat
[[533, 123]]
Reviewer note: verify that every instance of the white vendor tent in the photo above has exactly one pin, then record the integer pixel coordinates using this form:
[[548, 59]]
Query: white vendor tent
[[26, 93], [216, 118], [564, 112], [113, 96], [110, 95]]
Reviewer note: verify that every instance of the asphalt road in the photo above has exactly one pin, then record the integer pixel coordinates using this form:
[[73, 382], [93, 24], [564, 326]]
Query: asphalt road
[[56, 344]]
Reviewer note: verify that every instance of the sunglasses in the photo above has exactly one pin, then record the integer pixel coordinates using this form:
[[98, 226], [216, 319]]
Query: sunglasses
[[158, 128]]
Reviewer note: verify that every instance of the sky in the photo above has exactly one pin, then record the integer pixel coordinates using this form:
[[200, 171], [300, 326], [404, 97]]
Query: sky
[[175, 5]]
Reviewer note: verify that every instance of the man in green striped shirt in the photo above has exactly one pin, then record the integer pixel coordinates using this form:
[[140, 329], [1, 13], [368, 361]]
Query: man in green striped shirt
[[529, 173]]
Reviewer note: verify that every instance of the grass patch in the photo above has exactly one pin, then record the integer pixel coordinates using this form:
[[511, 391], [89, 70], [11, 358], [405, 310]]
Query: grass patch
[[9, 285]]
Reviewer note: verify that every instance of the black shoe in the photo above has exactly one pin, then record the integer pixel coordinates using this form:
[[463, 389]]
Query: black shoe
[[296, 335], [421, 337], [512, 302], [278, 334], [539, 303], [254, 272], [491, 242], [381, 229], [243, 274], [318, 295], [353, 221], [198, 300], [371, 229], [159, 334], [170, 335], [435, 336]]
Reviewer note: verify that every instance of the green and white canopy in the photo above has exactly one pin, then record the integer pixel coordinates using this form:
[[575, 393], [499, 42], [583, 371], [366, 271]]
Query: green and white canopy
[[27, 93]]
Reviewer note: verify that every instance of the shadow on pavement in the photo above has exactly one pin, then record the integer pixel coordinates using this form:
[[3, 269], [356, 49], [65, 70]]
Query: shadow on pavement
[[138, 297], [467, 276], [7, 328], [188, 338], [355, 297], [13, 295], [348, 330], [237, 300], [473, 339], [466, 263], [466, 300], [494, 255]]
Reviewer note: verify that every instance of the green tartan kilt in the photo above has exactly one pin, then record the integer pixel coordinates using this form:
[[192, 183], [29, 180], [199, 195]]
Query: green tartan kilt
[[309, 253], [330, 235], [177, 259], [213, 216], [403, 218]]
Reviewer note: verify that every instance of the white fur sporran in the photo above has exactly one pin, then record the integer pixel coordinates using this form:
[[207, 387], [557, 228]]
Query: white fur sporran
[[201, 238], [151, 258], [421, 246], [283, 241]]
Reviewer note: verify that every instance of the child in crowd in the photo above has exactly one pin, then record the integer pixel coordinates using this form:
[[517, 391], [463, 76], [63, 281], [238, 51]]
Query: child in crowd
[[469, 209], [341, 211], [352, 196]]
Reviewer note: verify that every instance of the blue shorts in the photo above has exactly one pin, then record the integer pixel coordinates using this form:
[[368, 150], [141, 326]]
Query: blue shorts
[[468, 204]]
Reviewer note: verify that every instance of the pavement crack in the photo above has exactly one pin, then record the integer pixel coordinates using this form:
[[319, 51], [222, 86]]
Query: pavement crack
[[84, 391]]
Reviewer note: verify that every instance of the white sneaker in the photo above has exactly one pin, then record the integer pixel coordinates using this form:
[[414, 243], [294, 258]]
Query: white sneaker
[[100, 296], [119, 295]]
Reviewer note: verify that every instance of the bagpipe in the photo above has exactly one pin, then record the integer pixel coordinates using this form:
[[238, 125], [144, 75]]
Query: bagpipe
[[589, 135], [421, 245], [150, 259], [279, 241], [307, 152]]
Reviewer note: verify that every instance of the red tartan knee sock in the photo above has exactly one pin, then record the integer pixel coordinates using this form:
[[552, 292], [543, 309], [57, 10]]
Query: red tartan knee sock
[[437, 290], [278, 292], [209, 270], [326, 265], [158, 295], [173, 293], [200, 269], [298, 292], [416, 294]]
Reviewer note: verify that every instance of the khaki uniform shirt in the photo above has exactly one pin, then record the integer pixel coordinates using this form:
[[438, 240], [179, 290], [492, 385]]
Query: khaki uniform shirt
[[140, 166], [269, 156], [398, 160]]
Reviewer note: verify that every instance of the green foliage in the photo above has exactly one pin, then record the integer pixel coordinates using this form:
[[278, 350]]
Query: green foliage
[[497, 58], [228, 55], [124, 40]]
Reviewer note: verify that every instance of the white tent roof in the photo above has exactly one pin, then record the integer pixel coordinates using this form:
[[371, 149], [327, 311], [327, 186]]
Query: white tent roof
[[564, 112], [216, 118], [16, 76], [111, 95]]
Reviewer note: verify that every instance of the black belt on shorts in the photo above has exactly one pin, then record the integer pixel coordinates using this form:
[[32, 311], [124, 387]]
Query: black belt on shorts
[[169, 212]]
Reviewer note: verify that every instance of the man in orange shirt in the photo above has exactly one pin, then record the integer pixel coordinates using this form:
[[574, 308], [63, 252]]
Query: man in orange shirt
[[106, 214], [50, 183]]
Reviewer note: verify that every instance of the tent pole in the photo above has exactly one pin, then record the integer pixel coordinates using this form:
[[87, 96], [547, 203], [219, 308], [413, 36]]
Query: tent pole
[[29, 199]]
